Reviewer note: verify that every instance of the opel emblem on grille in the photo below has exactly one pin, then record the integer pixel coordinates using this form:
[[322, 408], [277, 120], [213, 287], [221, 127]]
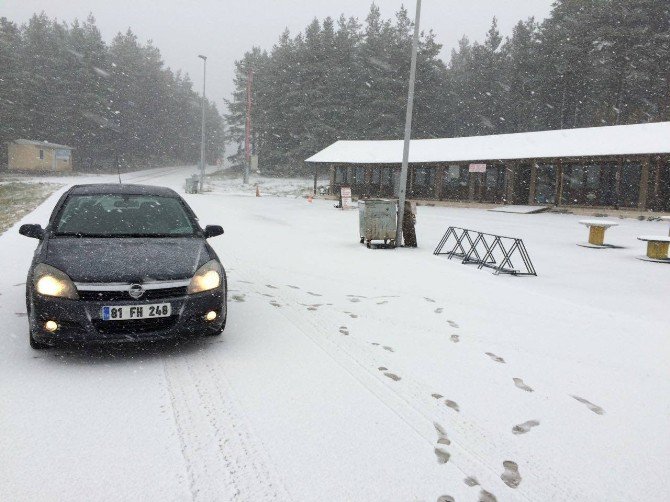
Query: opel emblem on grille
[[136, 291]]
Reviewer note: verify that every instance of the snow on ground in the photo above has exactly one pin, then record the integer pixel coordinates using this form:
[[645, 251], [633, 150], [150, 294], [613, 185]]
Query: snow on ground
[[354, 374]]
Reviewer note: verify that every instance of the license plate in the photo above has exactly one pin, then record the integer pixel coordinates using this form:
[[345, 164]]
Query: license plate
[[128, 312]]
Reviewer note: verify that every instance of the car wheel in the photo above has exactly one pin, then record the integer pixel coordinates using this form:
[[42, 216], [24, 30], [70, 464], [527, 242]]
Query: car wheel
[[34, 344], [37, 345]]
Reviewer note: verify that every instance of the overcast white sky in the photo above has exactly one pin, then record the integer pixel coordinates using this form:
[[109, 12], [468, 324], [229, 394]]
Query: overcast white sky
[[224, 29]]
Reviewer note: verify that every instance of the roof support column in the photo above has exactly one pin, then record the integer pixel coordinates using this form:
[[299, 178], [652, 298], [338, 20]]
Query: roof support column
[[510, 172], [533, 183], [644, 184], [439, 178]]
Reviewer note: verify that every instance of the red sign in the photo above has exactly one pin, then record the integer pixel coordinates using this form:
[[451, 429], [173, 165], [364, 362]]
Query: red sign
[[477, 168]]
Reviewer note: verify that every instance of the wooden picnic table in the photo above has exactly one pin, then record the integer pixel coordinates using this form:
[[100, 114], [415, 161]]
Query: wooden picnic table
[[597, 230], [657, 246]]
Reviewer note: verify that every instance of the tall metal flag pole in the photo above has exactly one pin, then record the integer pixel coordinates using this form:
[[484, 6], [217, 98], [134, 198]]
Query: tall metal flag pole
[[408, 128], [247, 131], [202, 139]]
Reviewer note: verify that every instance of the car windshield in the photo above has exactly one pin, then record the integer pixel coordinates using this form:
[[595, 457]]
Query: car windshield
[[123, 216]]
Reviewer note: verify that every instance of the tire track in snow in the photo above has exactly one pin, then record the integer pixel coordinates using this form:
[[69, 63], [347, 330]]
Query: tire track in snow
[[224, 460]]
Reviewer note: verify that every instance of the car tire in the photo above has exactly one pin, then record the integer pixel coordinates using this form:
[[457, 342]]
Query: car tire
[[34, 344]]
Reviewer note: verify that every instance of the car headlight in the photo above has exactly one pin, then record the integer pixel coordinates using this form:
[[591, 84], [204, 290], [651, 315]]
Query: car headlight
[[207, 277], [49, 281]]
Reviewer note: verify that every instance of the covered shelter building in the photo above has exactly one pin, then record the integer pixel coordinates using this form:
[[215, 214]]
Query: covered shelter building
[[622, 167]]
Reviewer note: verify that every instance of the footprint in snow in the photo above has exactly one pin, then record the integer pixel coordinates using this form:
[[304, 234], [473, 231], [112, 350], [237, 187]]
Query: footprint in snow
[[271, 286], [353, 316], [497, 359], [453, 324], [429, 300], [275, 304], [436, 396], [455, 338], [525, 427], [292, 287], [356, 296], [485, 496], [354, 300], [268, 295], [245, 282], [313, 294], [439, 310], [239, 298], [519, 383], [386, 347], [375, 344], [446, 498], [452, 404], [471, 481], [382, 368], [441, 434], [442, 455], [593, 407], [384, 302], [511, 476], [344, 331]]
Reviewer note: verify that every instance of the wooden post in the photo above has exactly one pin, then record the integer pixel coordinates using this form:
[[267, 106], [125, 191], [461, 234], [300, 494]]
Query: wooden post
[[509, 181], [644, 184], [332, 178], [657, 185], [558, 194], [533, 183], [617, 182], [439, 178]]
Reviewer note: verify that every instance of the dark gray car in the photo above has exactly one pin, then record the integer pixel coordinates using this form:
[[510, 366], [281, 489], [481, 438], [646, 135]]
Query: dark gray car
[[123, 263]]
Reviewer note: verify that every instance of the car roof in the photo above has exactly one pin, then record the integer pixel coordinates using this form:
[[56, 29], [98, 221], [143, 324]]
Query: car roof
[[122, 189]]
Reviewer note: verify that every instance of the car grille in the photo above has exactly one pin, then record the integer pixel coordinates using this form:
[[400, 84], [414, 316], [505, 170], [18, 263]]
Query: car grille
[[149, 294], [134, 326]]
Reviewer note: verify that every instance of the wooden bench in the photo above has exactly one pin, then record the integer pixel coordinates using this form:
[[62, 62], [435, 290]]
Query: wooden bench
[[657, 247], [597, 232]]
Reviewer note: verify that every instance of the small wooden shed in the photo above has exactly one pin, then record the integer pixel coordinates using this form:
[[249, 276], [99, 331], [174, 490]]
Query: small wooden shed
[[38, 156]]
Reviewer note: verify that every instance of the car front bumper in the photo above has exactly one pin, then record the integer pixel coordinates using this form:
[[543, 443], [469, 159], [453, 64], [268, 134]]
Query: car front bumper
[[80, 321]]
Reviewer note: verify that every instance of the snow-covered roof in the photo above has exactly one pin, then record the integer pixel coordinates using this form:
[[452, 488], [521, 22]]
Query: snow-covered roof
[[652, 138], [42, 144]]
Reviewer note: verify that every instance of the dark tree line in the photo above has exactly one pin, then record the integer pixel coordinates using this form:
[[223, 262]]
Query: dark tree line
[[591, 63], [62, 83]]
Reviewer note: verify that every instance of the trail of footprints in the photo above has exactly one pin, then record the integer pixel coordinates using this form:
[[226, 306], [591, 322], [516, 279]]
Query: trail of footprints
[[510, 475]]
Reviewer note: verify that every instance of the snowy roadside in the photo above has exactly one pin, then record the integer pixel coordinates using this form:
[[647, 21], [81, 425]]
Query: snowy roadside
[[358, 374]]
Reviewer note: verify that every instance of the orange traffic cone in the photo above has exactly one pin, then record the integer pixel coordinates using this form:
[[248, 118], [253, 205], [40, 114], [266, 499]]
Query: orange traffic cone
[[258, 192]]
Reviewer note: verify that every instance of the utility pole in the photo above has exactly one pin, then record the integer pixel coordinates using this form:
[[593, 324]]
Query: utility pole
[[247, 131], [202, 139], [408, 128]]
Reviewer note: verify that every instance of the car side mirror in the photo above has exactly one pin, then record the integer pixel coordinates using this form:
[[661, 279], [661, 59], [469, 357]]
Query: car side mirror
[[34, 231], [213, 231]]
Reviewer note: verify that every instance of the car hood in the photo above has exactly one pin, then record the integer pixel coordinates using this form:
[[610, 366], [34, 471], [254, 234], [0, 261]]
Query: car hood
[[127, 259]]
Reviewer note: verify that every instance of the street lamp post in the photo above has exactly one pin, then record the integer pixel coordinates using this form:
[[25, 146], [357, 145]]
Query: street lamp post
[[202, 139], [408, 128]]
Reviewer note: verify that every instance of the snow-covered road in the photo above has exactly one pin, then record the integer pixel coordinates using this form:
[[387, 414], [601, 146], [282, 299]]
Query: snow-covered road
[[354, 374]]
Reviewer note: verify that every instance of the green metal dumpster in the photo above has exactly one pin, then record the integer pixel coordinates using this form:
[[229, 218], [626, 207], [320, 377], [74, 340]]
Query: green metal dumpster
[[377, 221], [192, 184]]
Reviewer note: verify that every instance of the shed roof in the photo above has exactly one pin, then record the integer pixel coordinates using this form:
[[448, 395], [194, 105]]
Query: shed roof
[[652, 138], [42, 144]]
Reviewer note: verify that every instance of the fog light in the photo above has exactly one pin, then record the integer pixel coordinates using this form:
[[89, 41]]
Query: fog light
[[51, 326], [211, 315]]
